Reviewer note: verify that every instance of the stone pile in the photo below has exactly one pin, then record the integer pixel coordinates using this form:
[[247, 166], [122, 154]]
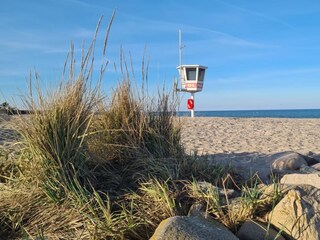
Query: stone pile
[[296, 216]]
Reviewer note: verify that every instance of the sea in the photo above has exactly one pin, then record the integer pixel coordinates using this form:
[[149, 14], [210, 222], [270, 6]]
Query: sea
[[290, 113]]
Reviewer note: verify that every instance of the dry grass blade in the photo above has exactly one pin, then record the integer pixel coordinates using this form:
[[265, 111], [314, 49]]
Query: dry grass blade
[[126, 130], [55, 136], [253, 203]]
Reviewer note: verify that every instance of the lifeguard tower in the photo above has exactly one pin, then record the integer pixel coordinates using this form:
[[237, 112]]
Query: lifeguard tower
[[191, 78]]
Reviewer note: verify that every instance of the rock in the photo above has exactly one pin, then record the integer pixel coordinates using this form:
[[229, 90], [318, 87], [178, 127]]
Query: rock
[[252, 230], [297, 214], [192, 228], [289, 161], [249, 164], [208, 187], [312, 179], [197, 210], [316, 157], [307, 169], [316, 166], [310, 160], [311, 157]]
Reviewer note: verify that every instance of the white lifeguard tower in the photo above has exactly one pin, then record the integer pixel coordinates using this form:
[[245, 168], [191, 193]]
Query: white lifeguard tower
[[191, 78]]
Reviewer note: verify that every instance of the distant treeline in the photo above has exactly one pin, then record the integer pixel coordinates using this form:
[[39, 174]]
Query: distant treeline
[[15, 111], [5, 108]]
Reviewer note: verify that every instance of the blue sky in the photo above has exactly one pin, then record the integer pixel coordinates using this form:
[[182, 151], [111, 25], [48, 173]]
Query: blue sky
[[260, 54]]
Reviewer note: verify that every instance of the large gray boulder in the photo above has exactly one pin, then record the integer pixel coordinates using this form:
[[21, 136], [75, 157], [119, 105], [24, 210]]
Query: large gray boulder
[[297, 214], [312, 179], [253, 230], [192, 228], [316, 166], [289, 161], [263, 165], [311, 157]]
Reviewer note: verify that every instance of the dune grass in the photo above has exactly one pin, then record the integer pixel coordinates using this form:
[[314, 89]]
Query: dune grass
[[255, 201], [89, 168]]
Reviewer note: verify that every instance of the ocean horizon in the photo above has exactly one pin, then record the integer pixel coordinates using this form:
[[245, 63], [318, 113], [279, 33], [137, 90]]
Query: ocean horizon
[[286, 113]]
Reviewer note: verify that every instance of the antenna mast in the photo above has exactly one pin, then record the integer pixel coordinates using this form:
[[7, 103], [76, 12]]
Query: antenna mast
[[180, 58], [180, 48]]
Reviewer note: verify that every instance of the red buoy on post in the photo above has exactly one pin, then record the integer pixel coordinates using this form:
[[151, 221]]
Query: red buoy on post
[[190, 104]]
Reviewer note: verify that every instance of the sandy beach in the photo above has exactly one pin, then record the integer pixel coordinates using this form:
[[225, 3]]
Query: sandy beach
[[250, 145], [8, 136], [250, 135], [209, 135]]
